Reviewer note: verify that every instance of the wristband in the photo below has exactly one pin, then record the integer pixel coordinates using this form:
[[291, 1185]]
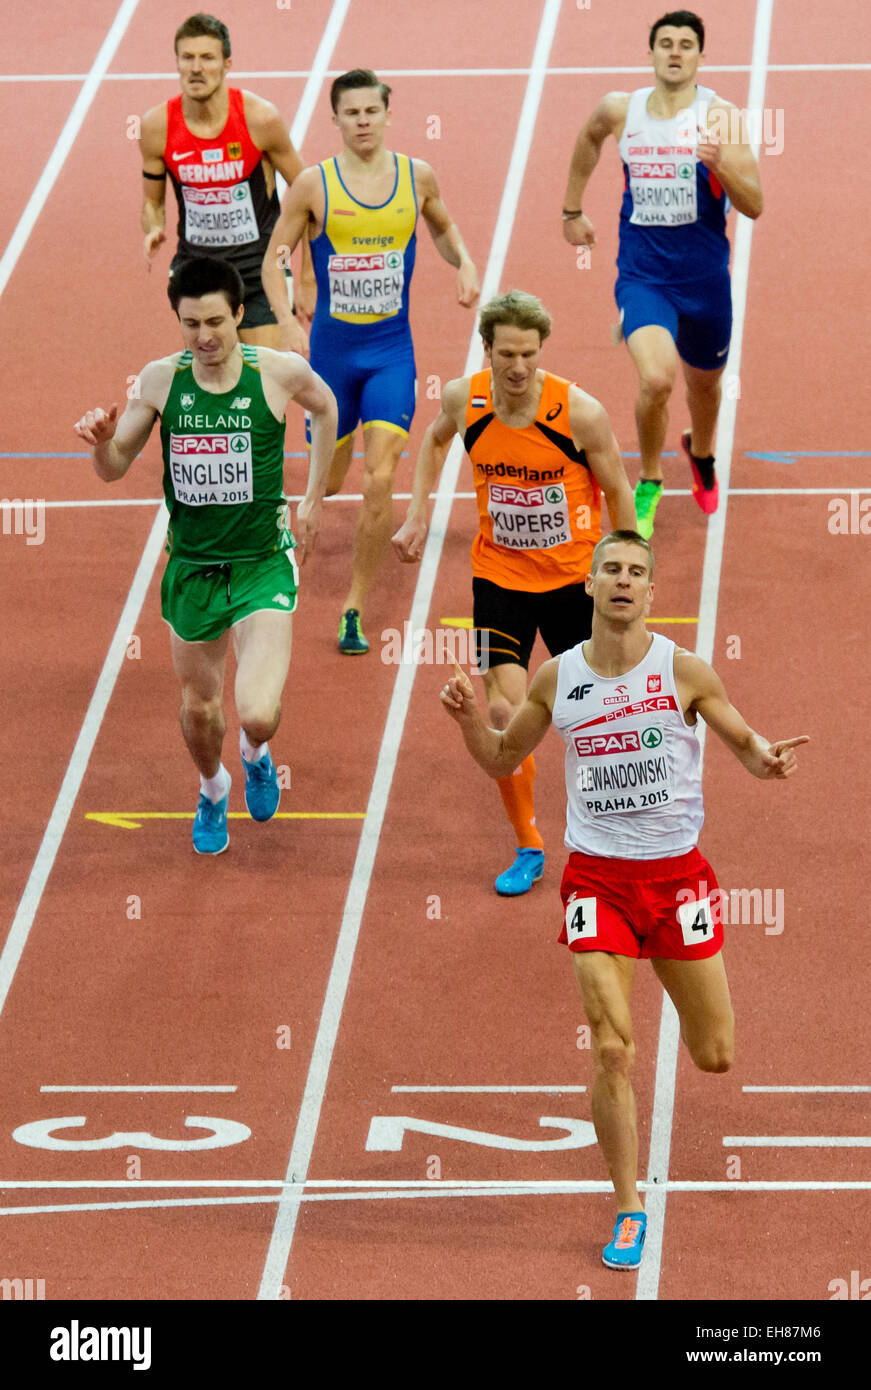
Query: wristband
[[570, 216]]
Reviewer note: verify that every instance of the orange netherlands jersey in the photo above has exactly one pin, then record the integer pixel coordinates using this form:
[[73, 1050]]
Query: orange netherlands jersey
[[539, 506]]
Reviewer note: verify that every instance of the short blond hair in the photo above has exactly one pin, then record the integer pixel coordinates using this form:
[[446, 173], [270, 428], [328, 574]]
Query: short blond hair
[[515, 309], [618, 538]]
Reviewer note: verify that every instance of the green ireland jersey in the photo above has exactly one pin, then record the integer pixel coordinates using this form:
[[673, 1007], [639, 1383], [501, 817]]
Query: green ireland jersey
[[223, 468]]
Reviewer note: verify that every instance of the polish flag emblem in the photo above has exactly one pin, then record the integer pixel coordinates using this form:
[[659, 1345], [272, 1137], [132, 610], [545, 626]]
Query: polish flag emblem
[[654, 685]]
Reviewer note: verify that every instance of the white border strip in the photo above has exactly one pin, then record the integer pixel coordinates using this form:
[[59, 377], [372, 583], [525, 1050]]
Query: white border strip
[[458, 497], [669, 1030], [830, 1090], [340, 974], [134, 1090], [65, 140], [71, 784], [393, 1194], [490, 1090]]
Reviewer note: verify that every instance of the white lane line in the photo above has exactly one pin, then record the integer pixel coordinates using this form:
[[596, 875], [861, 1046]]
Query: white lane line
[[669, 1032], [136, 1090], [319, 70], [72, 781], [458, 496], [833, 1090], [797, 1141], [337, 987], [283, 73], [512, 1090], [65, 140], [507, 1189]]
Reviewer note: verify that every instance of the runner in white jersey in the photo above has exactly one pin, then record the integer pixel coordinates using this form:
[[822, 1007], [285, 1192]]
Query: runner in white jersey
[[627, 703], [686, 160]]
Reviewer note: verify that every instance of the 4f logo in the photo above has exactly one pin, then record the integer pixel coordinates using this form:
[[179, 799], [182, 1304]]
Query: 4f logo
[[579, 692]]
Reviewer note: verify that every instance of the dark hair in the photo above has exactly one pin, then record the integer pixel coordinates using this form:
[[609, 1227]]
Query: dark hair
[[206, 275], [358, 77], [622, 537], [204, 26], [680, 19]]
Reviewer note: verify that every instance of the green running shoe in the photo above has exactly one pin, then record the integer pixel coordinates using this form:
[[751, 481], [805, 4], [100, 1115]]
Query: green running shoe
[[647, 495], [351, 639]]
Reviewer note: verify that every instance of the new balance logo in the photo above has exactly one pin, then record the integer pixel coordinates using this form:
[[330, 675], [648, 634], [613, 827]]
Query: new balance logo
[[282, 599], [579, 692], [241, 403]]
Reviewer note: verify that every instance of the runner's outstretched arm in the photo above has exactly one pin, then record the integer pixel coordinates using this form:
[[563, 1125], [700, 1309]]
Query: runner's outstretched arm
[[500, 752], [409, 539], [760, 757], [115, 443], [446, 234]]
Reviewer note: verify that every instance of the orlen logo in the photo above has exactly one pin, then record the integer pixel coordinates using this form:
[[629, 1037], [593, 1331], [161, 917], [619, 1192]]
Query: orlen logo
[[521, 497], [620, 696], [647, 170], [373, 262], [600, 745], [200, 444]]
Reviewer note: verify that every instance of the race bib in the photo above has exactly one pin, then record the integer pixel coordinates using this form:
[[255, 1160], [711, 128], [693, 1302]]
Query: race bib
[[622, 772], [662, 180], [533, 518], [211, 470], [366, 284], [696, 922], [220, 216], [580, 918]]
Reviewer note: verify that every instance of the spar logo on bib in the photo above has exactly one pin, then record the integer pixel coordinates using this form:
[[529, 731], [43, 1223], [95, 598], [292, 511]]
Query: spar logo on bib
[[605, 745], [369, 283], [528, 518], [522, 496], [211, 469], [220, 216]]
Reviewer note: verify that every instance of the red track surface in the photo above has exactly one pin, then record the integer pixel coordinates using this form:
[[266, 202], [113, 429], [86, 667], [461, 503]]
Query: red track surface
[[228, 952]]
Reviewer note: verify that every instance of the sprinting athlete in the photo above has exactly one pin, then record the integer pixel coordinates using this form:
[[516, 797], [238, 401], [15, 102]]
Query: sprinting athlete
[[627, 703], [361, 209], [686, 158], [220, 147], [231, 559], [542, 453]]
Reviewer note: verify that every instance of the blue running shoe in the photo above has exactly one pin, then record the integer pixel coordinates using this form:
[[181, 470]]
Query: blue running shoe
[[211, 835], [262, 792], [527, 869], [625, 1249]]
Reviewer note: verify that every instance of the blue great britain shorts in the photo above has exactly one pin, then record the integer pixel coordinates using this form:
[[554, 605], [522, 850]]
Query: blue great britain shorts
[[697, 315]]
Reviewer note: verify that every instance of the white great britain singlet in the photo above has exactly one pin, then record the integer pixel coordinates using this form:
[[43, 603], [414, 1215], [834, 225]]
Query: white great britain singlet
[[633, 780], [659, 157]]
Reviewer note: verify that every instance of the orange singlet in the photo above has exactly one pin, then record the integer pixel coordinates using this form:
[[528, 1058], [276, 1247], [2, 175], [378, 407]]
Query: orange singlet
[[539, 505]]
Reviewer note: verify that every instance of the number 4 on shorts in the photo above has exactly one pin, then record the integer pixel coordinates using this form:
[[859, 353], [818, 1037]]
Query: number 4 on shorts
[[695, 921], [580, 918]]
